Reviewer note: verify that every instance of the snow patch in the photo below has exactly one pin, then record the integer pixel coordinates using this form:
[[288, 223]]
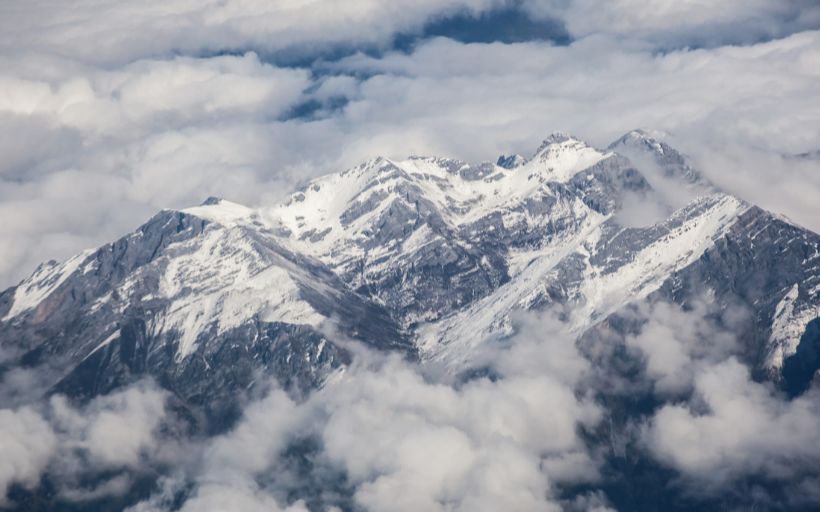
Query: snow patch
[[788, 325], [222, 211], [599, 293], [104, 343], [45, 280], [603, 293], [220, 281], [564, 159]]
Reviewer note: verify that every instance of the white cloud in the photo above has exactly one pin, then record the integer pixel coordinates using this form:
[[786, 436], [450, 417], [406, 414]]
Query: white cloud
[[27, 443], [677, 344], [405, 439], [737, 427], [715, 423], [112, 432], [596, 88], [218, 497], [426, 444], [122, 426], [154, 95], [156, 28], [94, 151], [682, 22], [268, 426]]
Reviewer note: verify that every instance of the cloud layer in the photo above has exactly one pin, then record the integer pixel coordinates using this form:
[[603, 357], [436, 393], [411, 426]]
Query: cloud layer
[[117, 434], [686, 23], [96, 137], [536, 424], [110, 111], [399, 438]]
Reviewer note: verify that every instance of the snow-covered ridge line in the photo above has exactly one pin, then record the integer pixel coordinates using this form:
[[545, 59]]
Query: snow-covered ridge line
[[516, 236], [223, 279], [788, 324], [221, 211], [333, 211], [605, 292], [599, 292], [42, 283]]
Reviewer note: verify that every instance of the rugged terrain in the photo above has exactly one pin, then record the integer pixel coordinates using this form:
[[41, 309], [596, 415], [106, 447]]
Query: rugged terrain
[[430, 257]]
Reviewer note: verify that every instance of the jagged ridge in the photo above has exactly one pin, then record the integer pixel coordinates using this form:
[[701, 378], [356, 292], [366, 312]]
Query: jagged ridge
[[429, 256]]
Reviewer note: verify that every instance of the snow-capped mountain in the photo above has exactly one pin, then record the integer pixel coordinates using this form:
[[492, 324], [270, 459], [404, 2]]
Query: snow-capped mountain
[[428, 256]]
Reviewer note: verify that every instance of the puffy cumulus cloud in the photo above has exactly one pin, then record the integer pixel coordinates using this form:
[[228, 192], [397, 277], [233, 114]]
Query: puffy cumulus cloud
[[116, 430], [218, 497], [151, 95], [683, 22], [98, 150], [712, 423], [90, 151], [737, 427], [392, 435], [110, 434], [160, 27], [596, 88], [408, 444], [676, 344], [297, 27], [231, 471], [27, 442]]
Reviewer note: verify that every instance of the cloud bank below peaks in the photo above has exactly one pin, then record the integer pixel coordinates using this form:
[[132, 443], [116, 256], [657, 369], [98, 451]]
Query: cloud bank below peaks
[[386, 434], [535, 423], [115, 436]]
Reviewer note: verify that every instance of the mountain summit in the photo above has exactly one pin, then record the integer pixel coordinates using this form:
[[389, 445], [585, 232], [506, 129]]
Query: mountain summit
[[428, 256]]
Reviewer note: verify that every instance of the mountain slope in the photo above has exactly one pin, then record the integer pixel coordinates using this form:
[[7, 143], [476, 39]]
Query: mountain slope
[[428, 256], [194, 299], [592, 275]]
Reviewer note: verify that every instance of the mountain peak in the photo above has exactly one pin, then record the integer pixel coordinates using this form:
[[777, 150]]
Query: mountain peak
[[640, 143], [211, 201], [220, 211], [652, 139], [556, 138], [510, 161], [560, 156]]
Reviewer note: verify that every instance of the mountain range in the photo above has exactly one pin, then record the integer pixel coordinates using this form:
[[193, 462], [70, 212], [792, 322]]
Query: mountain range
[[429, 257]]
